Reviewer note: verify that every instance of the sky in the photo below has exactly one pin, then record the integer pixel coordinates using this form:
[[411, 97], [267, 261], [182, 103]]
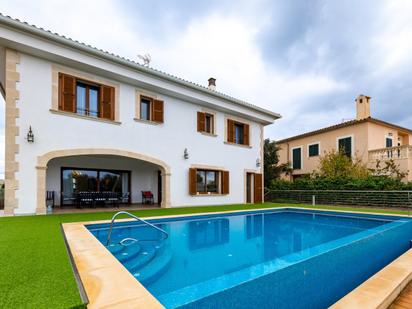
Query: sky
[[307, 60]]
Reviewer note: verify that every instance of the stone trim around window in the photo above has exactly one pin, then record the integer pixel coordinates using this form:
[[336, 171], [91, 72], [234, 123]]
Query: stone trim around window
[[144, 93], [56, 69], [69, 114], [12, 132], [241, 120]]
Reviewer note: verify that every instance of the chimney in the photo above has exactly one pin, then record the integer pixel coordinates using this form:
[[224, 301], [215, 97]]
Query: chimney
[[212, 83], [363, 107]]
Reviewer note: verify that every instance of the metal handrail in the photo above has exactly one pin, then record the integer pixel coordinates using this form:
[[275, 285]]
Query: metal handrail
[[134, 217]]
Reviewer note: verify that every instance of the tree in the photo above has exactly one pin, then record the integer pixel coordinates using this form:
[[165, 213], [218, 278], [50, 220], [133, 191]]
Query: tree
[[336, 164], [272, 168]]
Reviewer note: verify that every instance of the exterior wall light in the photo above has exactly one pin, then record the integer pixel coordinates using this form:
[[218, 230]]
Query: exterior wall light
[[185, 154], [257, 162], [30, 136]]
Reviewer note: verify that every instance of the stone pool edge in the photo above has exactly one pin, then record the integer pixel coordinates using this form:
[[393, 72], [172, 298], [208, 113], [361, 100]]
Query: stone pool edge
[[106, 282], [102, 274]]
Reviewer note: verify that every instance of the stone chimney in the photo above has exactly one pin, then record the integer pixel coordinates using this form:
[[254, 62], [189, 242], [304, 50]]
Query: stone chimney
[[363, 107], [212, 83]]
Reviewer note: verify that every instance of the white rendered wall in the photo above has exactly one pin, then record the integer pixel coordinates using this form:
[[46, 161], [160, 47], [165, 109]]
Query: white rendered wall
[[165, 142]]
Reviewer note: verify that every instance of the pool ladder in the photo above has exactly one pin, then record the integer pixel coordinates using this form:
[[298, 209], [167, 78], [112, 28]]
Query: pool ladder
[[164, 233]]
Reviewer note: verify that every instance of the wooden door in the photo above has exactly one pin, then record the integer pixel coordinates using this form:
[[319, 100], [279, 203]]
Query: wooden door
[[249, 187], [258, 188]]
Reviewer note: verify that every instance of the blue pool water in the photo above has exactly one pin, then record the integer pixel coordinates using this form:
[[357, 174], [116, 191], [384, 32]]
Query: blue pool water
[[283, 258]]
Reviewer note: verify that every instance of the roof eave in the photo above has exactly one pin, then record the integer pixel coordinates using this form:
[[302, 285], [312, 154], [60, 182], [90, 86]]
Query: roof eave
[[25, 27]]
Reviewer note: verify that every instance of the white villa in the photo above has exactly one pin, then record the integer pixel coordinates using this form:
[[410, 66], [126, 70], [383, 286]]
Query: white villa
[[80, 121]]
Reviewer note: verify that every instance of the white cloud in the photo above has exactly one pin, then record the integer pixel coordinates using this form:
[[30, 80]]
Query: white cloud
[[225, 44]]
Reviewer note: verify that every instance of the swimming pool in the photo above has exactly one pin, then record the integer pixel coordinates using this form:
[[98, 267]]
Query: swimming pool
[[283, 258]]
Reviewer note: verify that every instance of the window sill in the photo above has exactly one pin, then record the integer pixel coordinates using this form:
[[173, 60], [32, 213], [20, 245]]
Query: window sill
[[313, 156], [209, 194], [239, 145], [147, 121], [74, 115], [208, 134]]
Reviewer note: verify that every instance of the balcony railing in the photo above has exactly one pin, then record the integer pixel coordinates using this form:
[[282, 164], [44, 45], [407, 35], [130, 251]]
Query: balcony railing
[[398, 152]]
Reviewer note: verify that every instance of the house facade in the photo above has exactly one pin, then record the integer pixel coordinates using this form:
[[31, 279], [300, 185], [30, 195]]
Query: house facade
[[79, 119], [365, 137]]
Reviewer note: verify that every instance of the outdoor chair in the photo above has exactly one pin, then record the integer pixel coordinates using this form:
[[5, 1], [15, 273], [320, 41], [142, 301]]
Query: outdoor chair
[[50, 198], [99, 197], [113, 198], [147, 197], [124, 199], [86, 198]]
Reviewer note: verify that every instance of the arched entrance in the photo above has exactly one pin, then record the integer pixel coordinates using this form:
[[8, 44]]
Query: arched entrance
[[44, 160]]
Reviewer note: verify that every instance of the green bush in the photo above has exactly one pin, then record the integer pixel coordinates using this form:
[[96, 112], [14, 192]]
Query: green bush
[[341, 183]]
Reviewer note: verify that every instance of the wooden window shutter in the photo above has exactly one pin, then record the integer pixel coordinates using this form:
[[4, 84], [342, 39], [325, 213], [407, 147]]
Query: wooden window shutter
[[225, 182], [201, 122], [157, 111], [246, 134], [67, 93], [258, 189], [106, 102], [192, 181], [230, 131]]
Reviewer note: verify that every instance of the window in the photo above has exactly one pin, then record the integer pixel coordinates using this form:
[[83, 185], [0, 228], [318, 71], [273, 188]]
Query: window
[[237, 132], [85, 98], [151, 109], [297, 158], [389, 144], [145, 107], [345, 145], [75, 180], [205, 123], [209, 123], [205, 181], [313, 150]]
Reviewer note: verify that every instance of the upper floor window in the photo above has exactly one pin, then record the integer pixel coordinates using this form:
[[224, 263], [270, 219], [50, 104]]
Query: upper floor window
[[205, 122], [85, 98], [313, 150], [345, 145], [145, 108], [389, 142], [297, 158], [237, 132], [151, 109]]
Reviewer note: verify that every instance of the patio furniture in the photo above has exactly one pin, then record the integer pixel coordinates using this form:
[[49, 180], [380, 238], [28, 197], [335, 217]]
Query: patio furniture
[[147, 197], [99, 198], [113, 198], [86, 198], [124, 199], [50, 198]]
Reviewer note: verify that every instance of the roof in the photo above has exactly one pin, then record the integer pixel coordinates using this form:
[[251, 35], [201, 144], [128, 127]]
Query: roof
[[52, 36], [343, 125]]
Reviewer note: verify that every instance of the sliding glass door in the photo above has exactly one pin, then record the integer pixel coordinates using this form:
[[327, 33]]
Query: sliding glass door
[[75, 180]]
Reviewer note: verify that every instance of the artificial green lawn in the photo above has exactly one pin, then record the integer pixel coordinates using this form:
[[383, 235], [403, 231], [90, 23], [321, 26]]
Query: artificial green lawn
[[35, 271]]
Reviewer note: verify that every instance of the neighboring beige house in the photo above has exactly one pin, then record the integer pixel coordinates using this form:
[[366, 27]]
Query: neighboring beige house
[[364, 137]]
